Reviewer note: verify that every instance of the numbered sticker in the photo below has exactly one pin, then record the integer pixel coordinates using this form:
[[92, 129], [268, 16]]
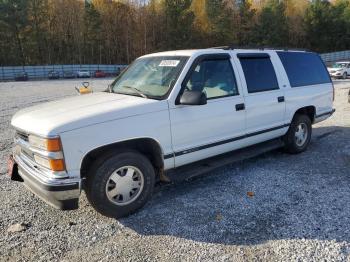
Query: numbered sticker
[[169, 63]]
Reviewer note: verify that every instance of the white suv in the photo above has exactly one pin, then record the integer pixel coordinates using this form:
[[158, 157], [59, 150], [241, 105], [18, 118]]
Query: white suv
[[166, 110], [340, 70]]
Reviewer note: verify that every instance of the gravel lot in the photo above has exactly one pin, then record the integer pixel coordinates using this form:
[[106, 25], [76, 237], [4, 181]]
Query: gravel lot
[[300, 210]]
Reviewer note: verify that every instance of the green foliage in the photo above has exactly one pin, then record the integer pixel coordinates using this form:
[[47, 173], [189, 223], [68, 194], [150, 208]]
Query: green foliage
[[13, 19], [246, 24], [106, 31], [178, 21], [272, 27], [92, 33], [221, 23]]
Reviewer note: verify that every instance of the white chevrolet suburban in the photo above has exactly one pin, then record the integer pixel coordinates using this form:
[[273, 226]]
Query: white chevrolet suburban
[[167, 110]]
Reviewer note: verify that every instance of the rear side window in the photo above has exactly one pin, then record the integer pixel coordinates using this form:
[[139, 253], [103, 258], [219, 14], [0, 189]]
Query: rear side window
[[259, 73], [304, 68]]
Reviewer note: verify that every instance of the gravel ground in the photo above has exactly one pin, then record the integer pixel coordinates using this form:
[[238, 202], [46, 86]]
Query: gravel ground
[[299, 210]]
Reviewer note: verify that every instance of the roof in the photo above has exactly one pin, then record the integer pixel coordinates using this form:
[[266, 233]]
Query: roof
[[216, 50]]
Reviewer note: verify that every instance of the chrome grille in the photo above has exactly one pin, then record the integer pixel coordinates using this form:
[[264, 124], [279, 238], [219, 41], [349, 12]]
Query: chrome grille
[[22, 136], [22, 144]]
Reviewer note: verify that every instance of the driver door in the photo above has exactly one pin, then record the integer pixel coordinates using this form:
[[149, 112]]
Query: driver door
[[202, 131]]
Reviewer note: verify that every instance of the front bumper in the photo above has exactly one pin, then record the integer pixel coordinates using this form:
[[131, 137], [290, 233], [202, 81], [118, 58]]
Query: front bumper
[[60, 193], [336, 75]]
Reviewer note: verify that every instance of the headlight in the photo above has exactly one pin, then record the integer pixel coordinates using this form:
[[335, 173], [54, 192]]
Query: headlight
[[47, 144], [52, 164]]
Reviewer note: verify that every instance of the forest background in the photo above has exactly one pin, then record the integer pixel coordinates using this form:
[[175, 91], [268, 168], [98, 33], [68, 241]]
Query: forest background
[[40, 32]]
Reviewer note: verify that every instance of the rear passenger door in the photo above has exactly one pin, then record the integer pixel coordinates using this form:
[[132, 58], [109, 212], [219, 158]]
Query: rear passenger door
[[264, 99]]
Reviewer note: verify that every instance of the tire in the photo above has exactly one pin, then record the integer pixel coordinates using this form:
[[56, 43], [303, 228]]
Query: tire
[[121, 171], [345, 75], [293, 142]]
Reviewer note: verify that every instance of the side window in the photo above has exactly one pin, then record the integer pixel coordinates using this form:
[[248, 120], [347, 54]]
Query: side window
[[214, 77], [259, 73], [304, 68]]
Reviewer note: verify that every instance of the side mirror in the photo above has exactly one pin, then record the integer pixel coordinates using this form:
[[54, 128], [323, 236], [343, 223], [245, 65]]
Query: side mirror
[[193, 98]]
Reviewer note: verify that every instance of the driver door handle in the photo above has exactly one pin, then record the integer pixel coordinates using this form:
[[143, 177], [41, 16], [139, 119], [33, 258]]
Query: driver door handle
[[240, 107]]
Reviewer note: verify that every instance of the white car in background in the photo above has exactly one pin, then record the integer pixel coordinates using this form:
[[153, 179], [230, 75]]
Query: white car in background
[[83, 74], [340, 70]]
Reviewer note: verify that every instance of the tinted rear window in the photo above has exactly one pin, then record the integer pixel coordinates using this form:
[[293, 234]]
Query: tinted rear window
[[259, 73], [304, 68]]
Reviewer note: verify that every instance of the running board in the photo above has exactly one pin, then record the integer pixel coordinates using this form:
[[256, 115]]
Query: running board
[[201, 167]]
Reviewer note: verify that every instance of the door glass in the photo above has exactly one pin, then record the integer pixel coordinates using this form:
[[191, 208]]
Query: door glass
[[259, 74], [213, 77]]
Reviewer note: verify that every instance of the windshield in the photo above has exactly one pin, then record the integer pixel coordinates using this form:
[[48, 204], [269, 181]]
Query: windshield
[[150, 77], [339, 65]]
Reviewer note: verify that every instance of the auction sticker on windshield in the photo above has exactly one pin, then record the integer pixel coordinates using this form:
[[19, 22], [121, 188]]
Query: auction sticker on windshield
[[170, 63]]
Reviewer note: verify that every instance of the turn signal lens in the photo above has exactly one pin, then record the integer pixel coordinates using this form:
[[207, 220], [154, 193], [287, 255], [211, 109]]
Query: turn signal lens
[[52, 164], [57, 164]]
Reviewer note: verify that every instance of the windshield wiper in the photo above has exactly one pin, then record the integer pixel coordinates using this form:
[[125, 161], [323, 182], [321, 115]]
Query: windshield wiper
[[136, 90]]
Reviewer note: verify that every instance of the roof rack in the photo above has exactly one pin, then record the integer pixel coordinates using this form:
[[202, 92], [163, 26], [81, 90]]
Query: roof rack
[[233, 47]]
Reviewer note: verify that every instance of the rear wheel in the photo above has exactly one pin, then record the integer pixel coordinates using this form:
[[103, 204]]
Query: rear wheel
[[119, 185], [298, 136]]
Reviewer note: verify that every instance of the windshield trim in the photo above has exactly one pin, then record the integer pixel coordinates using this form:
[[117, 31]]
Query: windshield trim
[[171, 87]]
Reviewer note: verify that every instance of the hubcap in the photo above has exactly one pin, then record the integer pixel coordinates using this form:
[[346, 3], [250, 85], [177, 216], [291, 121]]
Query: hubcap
[[124, 185], [301, 134]]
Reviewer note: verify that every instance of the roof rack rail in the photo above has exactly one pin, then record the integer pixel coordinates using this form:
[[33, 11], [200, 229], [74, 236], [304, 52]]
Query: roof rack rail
[[233, 47]]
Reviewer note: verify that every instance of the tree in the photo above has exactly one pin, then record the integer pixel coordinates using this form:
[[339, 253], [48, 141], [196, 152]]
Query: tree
[[272, 26], [246, 24], [13, 16], [92, 34], [221, 17], [118, 31], [36, 46], [318, 26], [178, 19]]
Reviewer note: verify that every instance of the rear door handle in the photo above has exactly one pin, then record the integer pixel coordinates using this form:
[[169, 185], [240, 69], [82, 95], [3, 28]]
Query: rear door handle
[[240, 107], [280, 99]]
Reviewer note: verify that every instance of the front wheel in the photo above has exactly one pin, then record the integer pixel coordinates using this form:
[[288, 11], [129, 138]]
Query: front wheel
[[298, 136], [120, 184], [345, 75]]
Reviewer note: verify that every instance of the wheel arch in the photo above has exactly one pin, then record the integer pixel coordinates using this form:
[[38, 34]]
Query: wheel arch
[[310, 111], [147, 146]]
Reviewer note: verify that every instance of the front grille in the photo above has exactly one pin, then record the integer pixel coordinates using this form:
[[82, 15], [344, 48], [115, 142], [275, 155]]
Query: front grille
[[22, 136], [22, 147]]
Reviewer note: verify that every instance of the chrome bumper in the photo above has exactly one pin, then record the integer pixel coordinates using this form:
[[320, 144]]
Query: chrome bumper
[[61, 193]]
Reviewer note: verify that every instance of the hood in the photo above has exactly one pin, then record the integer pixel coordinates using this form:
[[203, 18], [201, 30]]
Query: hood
[[75, 112]]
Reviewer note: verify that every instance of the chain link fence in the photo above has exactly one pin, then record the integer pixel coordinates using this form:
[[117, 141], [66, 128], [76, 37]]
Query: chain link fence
[[8, 73], [330, 58]]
